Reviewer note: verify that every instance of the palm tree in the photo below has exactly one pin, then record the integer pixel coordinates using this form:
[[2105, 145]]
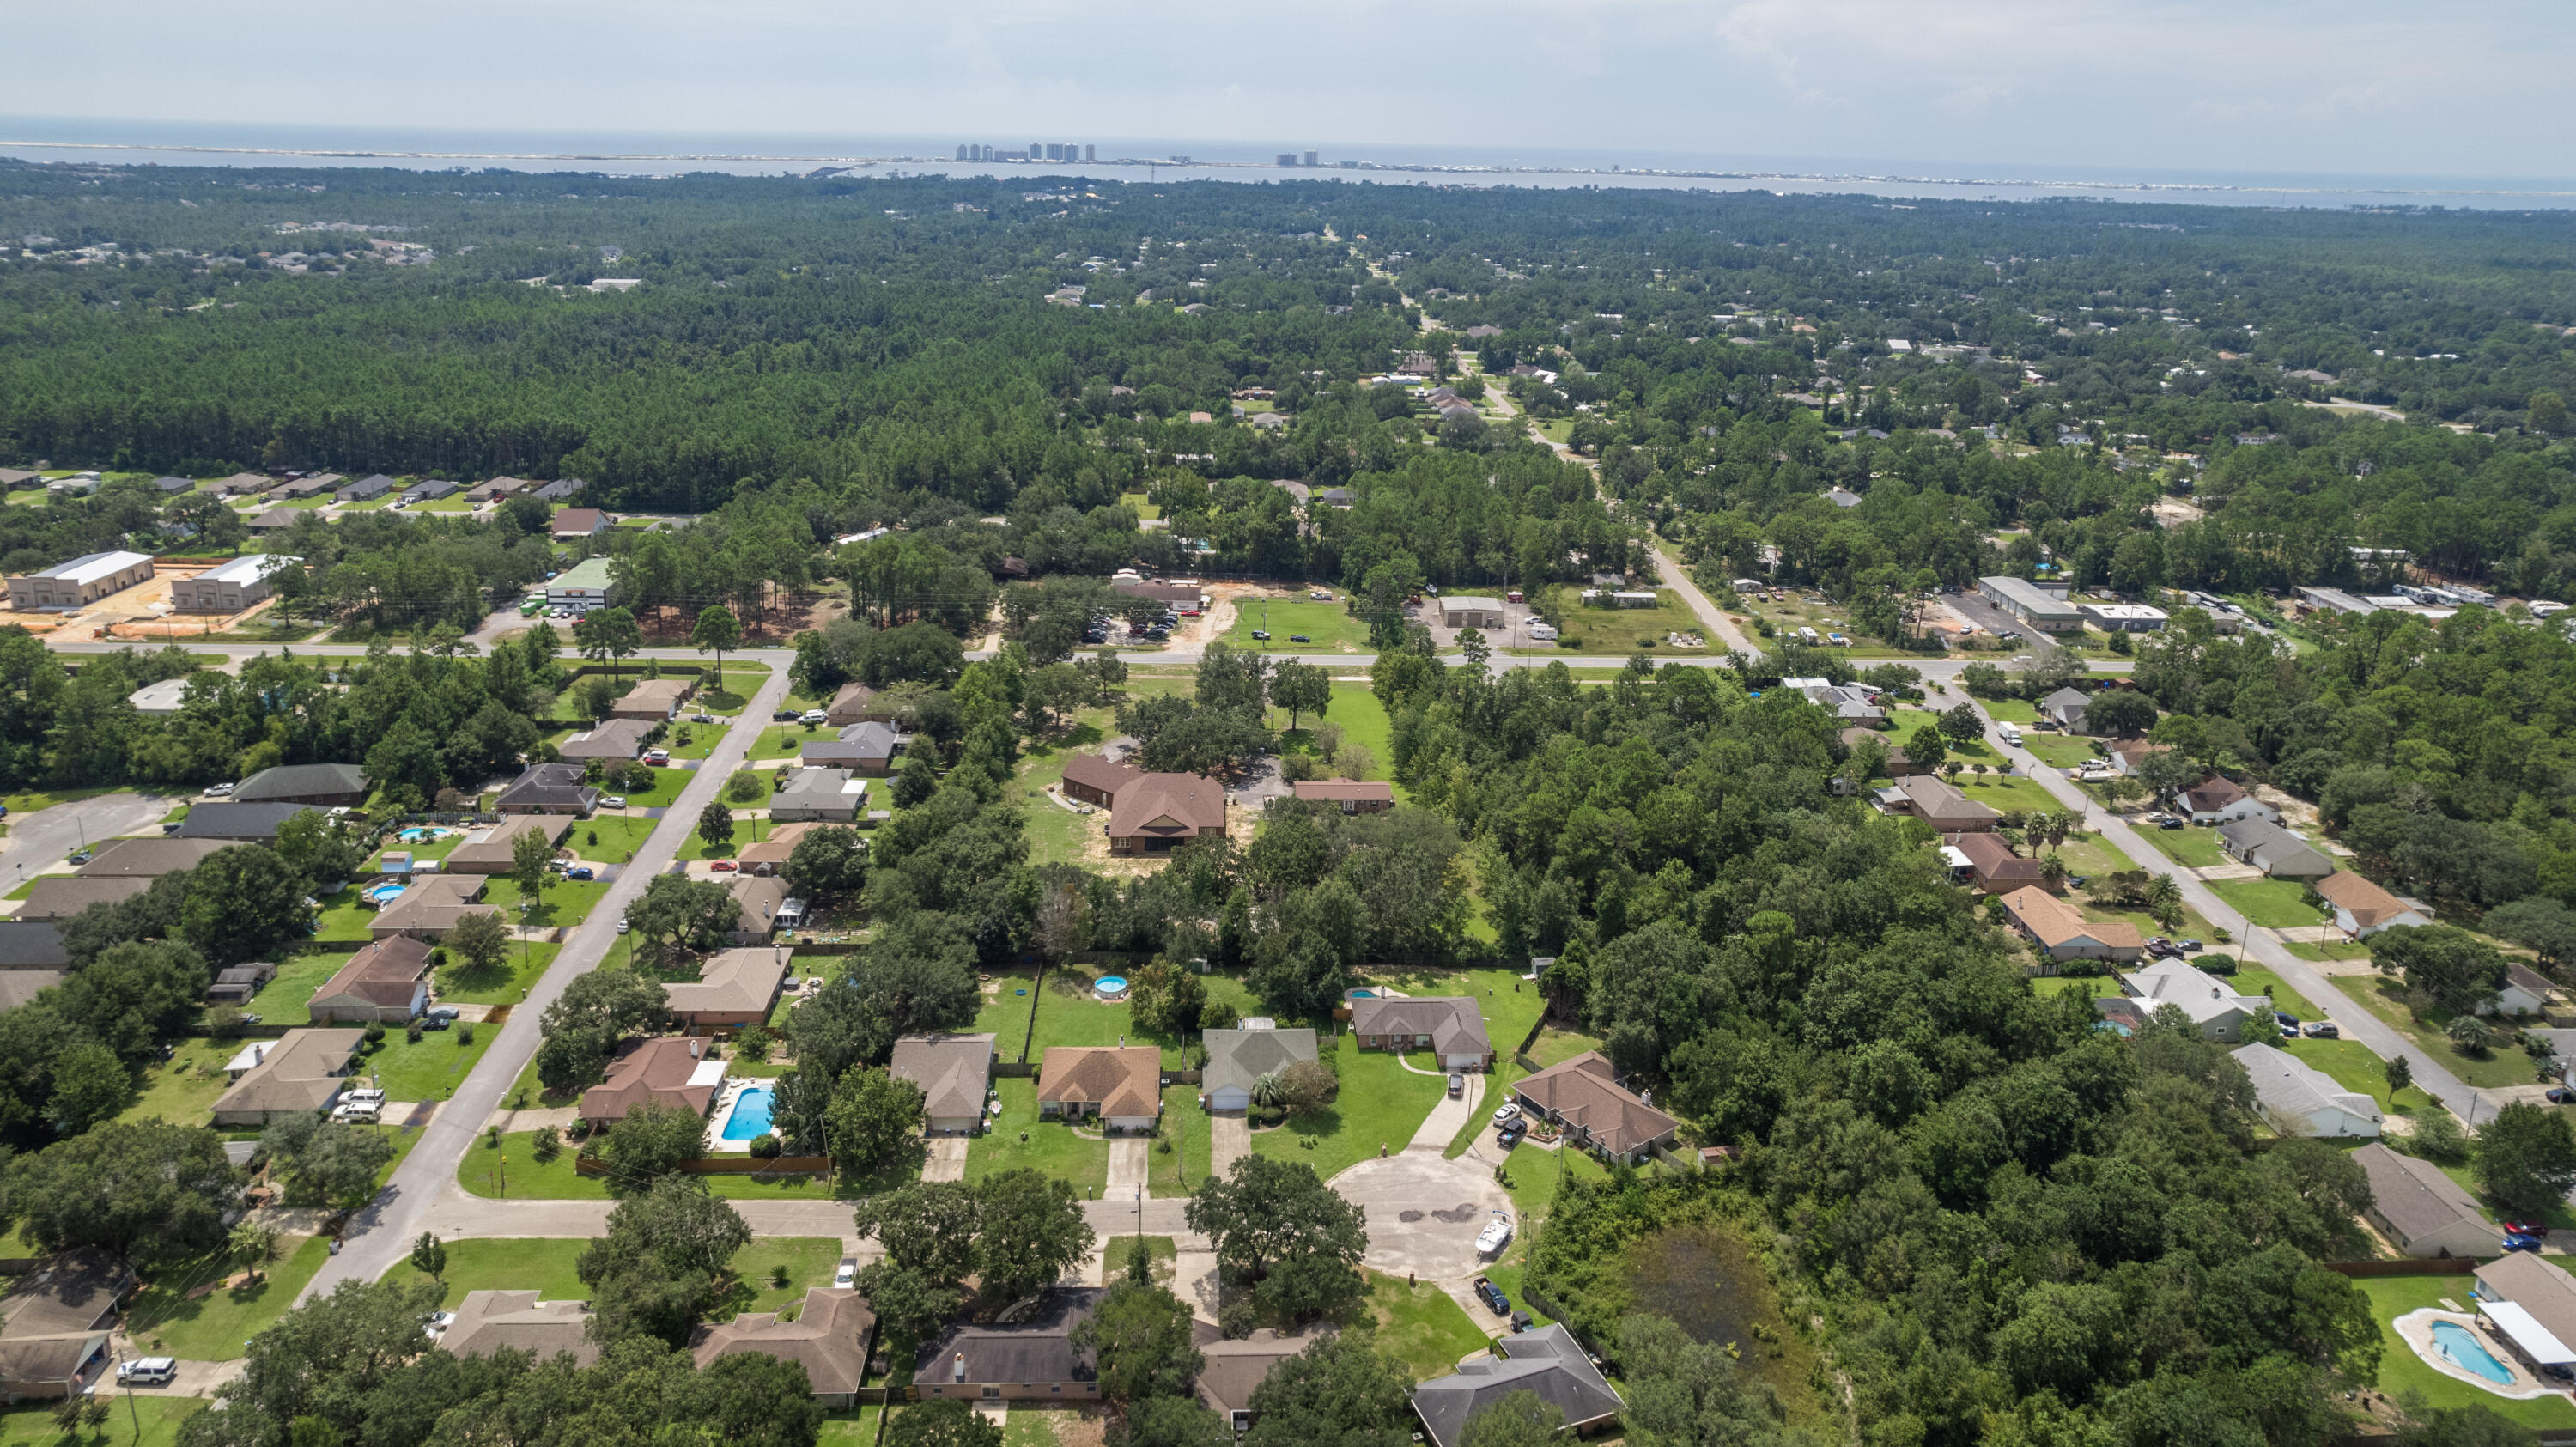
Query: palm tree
[[1270, 1090], [2052, 868], [2469, 1033]]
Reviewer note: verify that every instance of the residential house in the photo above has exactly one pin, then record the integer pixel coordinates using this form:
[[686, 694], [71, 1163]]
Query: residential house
[[667, 1070], [60, 896], [2127, 754], [1848, 703], [240, 484], [32, 959], [298, 1073], [80, 582], [310, 485], [1235, 1369], [573, 524], [433, 489], [1467, 610], [1991, 863], [365, 489], [857, 703], [2532, 1304], [1899, 766], [582, 587], [734, 989], [954, 1072], [618, 740], [276, 520], [2221, 800], [236, 984], [2060, 931], [1936, 803], [148, 858], [237, 823], [1339, 497], [173, 486], [1031, 1357], [1546, 1361], [432, 907], [386, 981], [865, 748], [2274, 850], [654, 699], [555, 491], [1842, 497], [325, 786], [768, 855], [2526, 991], [2361, 908], [495, 850], [57, 1323], [830, 796], [1095, 780], [2065, 708], [1237, 1058], [2297, 1099], [829, 1338], [1449, 1026], [1160, 812], [1121, 1085], [1351, 796], [488, 1321], [1584, 1096], [2207, 1002], [763, 902], [549, 789], [499, 489], [2420, 1209], [239, 584]]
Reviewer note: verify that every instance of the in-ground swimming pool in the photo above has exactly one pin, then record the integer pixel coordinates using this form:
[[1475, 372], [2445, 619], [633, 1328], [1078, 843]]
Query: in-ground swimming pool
[[750, 1117], [1110, 987], [1363, 994], [2461, 1348]]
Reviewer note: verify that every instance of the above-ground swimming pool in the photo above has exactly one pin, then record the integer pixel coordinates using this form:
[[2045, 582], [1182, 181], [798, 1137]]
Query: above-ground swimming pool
[[2461, 1348], [383, 893], [1110, 987], [750, 1117]]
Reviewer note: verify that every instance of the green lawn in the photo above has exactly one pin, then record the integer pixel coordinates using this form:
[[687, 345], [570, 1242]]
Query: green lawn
[[2090, 855], [2057, 750], [2401, 1371], [33, 1425], [549, 1267], [746, 832], [1018, 1138], [2354, 1067], [506, 984], [787, 741], [344, 916], [216, 1326], [2007, 710], [1329, 625], [2098, 986], [1057, 834], [618, 836], [2323, 954], [1555, 1046], [2253, 979], [561, 903], [666, 787], [1625, 630], [1379, 1107], [1187, 1130], [183, 1088], [2503, 1065], [701, 739], [1421, 1327], [1363, 721], [428, 1070], [2190, 846], [2271, 903], [1068, 1013], [483, 1170]]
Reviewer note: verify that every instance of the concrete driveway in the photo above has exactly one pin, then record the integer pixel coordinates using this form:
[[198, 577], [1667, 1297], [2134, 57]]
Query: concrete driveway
[[1441, 1126], [946, 1160], [1424, 1212], [1130, 1168], [1229, 1140]]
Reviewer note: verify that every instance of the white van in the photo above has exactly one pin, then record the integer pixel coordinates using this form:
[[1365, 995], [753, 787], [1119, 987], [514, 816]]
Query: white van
[[2009, 733], [1542, 632]]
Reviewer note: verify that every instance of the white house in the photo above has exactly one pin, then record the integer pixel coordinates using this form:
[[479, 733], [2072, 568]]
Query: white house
[[2526, 991], [2221, 800], [2301, 1100], [2216, 1008], [2363, 909]]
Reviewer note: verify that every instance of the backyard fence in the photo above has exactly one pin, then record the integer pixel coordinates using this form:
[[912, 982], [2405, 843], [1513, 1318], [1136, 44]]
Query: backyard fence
[[2412, 1266]]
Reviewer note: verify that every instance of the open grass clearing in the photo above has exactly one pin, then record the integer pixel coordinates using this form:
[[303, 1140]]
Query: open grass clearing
[[1625, 630], [2270, 903], [1421, 1327], [32, 1425], [609, 838], [512, 1172], [1018, 1138], [2190, 846], [219, 1325], [549, 1267], [2498, 1066], [1329, 627]]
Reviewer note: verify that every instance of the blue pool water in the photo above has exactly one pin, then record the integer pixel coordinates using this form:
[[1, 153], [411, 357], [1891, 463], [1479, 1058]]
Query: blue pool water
[[750, 1118], [1363, 994], [1110, 984], [415, 836], [2461, 1347], [384, 892]]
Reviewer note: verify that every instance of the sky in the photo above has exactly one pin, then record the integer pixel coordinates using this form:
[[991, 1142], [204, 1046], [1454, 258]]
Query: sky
[[2466, 89]]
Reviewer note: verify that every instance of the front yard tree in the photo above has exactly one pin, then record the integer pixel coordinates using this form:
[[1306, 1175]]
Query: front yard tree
[[478, 942], [1281, 1231], [650, 1143], [595, 1011], [530, 853], [679, 911], [608, 635], [944, 1422], [718, 632], [715, 825], [1924, 748], [1300, 688], [2526, 1158], [829, 862], [244, 903], [144, 1190], [1141, 1337], [1962, 725], [928, 1231], [871, 1117], [2454, 967], [339, 1165], [1341, 1391], [1032, 1233], [429, 1256], [90, 1085], [665, 1261]]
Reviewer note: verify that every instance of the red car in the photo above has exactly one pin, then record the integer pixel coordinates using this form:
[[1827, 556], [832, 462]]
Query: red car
[[2524, 1228], [657, 763], [723, 866]]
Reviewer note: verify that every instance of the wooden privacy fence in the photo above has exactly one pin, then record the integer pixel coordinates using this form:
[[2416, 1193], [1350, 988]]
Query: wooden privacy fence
[[2411, 1266]]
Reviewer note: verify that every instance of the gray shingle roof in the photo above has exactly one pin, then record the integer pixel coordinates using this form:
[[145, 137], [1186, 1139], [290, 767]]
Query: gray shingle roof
[[289, 782], [1239, 1057], [1036, 1351], [2414, 1196], [1547, 1361]]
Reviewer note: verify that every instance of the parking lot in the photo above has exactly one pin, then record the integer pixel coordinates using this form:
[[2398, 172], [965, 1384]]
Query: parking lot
[[1974, 608]]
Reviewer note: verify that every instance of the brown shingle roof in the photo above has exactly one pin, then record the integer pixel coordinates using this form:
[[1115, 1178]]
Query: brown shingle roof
[[487, 1321], [1125, 1081], [829, 1338], [148, 858], [780, 843], [1335, 790], [2368, 904], [953, 1071], [492, 852], [1994, 860], [2414, 1196], [2053, 922], [60, 896], [656, 1070], [1582, 1092], [2214, 792], [434, 904], [1094, 772], [1452, 1021], [1235, 1369], [732, 982], [1167, 804], [300, 1072], [386, 972]]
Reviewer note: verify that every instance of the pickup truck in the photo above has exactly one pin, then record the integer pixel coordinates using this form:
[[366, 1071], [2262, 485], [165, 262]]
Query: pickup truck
[[1492, 1296]]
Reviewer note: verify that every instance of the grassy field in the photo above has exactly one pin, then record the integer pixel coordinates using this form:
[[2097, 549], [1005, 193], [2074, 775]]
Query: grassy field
[[215, 1327], [548, 1267], [1626, 630], [2503, 1065], [483, 1170], [2008, 795], [2322, 954], [1421, 1327], [1363, 721], [506, 984], [1069, 1013], [2190, 846], [2098, 986], [180, 1090], [1330, 626], [1380, 1105], [609, 838], [666, 787], [2057, 750], [561, 903], [2355, 1068], [787, 741], [33, 1425], [1056, 834], [428, 1070], [1186, 1128], [2401, 1371], [701, 741], [2251, 979], [1018, 1138], [2271, 903]]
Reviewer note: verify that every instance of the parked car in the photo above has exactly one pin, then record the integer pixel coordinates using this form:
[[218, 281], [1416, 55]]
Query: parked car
[[2523, 1228], [722, 866], [1492, 1296], [814, 717], [1320, 595], [848, 1274], [785, 715], [1457, 1085], [613, 801], [356, 1113], [249, 1019], [1261, 635], [2561, 1095], [147, 1372], [2286, 1021], [1299, 638], [657, 756], [2321, 1030], [83, 857], [624, 925], [1508, 1110], [2193, 947], [2522, 1243], [1496, 1235], [2169, 821], [363, 1095], [581, 871], [1509, 1136], [217, 791]]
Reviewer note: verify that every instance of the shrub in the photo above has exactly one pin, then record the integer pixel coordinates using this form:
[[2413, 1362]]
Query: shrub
[[412, 1033], [1236, 1319], [223, 1022], [580, 1129], [778, 1275], [547, 1145], [464, 1032], [765, 1147], [375, 1032], [754, 1043]]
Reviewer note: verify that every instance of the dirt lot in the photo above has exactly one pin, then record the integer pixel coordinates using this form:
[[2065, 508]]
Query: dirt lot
[[140, 612]]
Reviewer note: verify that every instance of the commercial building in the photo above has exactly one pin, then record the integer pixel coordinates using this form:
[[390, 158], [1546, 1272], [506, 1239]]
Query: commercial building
[[236, 585], [2034, 605], [1467, 610], [581, 588], [82, 581], [2124, 617]]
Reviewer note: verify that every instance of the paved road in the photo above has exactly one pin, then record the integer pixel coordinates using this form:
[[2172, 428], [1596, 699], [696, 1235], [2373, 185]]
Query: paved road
[[1711, 617], [41, 838], [421, 1187], [2263, 945]]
